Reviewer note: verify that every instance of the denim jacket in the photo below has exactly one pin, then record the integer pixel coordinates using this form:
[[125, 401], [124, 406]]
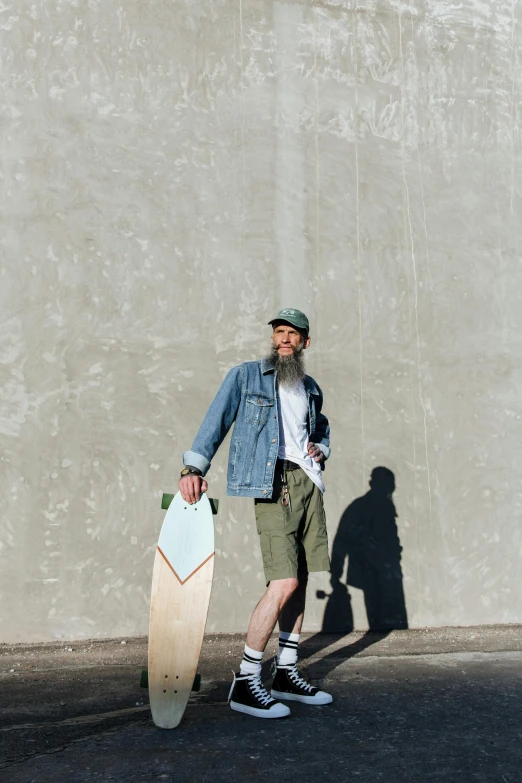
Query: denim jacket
[[248, 397]]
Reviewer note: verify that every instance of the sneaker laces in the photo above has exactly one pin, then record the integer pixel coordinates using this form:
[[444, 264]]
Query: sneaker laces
[[297, 680], [256, 687]]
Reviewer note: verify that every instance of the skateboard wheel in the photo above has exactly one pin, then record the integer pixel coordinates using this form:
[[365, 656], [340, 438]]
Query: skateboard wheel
[[196, 686], [214, 505]]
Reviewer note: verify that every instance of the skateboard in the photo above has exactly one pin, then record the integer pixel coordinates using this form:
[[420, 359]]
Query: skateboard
[[180, 597]]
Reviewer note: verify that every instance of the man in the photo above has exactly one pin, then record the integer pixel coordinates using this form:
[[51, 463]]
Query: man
[[277, 453]]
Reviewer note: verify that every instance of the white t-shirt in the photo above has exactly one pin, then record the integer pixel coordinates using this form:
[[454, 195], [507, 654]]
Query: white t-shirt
[[293, 435]]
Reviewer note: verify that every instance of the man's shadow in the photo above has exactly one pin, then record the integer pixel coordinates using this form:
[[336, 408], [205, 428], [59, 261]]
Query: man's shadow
[[367, 535]]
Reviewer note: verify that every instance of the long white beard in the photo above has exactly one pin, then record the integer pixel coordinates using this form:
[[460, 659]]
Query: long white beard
[[290, 369]]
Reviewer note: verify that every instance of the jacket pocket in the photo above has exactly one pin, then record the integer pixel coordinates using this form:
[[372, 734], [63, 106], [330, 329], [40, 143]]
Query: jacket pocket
[[257, 409]]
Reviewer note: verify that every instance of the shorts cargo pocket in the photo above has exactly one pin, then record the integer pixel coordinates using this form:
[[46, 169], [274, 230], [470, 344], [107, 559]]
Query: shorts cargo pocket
[[268, 525], [277, 541], [315, 539], [268, 515], [266, 548]]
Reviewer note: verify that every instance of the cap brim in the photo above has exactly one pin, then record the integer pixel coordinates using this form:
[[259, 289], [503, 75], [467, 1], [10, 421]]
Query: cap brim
[[283, 321], [287, 321]]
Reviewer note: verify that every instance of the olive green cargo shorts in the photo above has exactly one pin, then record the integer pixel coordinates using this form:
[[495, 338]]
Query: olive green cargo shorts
[[293, 542]]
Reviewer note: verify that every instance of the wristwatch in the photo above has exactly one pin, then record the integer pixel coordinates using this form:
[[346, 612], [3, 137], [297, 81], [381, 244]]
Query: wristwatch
[[189, 470]]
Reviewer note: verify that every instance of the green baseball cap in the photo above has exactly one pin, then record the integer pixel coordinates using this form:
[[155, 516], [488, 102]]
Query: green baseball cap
[[294, 317]]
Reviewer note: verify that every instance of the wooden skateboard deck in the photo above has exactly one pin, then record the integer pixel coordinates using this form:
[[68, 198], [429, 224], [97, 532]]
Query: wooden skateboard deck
[[181, 585]]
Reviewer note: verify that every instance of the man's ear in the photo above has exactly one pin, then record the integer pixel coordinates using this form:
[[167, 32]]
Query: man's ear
[[306, 342]]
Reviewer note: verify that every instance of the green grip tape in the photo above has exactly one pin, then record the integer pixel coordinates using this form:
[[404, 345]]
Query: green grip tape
[[166, 500]]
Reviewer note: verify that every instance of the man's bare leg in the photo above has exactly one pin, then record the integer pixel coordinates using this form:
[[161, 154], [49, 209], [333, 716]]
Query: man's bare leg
[[288, 683], [292, 613], [247, 694], [284, 599], [266, 614]]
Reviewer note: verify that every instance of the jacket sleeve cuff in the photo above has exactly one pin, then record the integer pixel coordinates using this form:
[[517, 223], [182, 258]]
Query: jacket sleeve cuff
[[325, 449], [196, 460]]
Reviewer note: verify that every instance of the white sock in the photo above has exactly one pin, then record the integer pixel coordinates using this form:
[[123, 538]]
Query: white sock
[[251, 663], [287, 655]]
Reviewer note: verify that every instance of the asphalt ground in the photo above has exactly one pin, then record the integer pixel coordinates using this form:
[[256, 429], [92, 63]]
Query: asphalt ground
[[435, 705]]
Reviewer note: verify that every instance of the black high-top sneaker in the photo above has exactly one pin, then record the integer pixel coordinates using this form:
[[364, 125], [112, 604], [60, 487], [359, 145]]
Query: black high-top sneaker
[[290, 686], [248, 695]]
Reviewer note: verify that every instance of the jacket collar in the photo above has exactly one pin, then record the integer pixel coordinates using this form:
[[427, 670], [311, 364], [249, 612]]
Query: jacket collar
[[309, 383], [266, 366]]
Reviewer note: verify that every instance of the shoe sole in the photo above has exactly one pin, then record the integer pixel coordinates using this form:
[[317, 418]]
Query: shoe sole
[[321, 701], [255, 713]]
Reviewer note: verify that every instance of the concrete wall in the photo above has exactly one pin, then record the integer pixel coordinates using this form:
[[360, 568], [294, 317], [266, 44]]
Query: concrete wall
[[174, 172]]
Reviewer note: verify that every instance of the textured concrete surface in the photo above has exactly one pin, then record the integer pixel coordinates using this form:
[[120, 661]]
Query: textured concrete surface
[[438, 705], [175, 172]]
